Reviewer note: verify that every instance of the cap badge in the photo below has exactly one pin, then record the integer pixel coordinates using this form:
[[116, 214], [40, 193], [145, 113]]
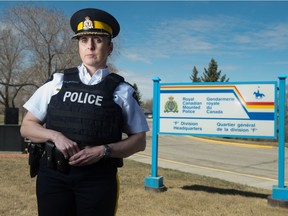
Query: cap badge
[[88, 24]]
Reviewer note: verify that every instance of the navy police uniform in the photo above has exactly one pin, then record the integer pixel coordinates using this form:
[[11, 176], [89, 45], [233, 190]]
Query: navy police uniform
[[91, 111]]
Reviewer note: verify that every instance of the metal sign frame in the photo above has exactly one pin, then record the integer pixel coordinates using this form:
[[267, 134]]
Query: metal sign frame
[[280, 191]]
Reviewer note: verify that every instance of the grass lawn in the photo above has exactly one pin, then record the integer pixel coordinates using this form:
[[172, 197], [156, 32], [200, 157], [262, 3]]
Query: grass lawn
[[187, 194], [1, 119]]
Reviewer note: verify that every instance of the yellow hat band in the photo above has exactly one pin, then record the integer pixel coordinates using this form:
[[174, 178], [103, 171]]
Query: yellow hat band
[[96, 25]]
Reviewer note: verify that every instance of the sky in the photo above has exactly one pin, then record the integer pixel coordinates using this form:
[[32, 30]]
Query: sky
[[166, 39]]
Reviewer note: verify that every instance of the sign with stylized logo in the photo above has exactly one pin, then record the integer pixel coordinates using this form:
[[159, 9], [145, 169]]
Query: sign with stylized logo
[[219, 109]]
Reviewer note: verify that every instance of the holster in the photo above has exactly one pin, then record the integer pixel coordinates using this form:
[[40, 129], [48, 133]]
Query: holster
[[50, 148], [55, 158], [36, 151]]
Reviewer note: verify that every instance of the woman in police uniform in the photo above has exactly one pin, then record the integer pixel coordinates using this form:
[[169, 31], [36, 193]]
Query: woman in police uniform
[[85, 111]]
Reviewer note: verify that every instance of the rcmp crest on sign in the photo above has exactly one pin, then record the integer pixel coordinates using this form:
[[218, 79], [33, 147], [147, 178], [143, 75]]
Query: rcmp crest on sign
[[171, 105]]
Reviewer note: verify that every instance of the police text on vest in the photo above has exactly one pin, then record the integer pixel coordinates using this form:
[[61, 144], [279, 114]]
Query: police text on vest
[[80, 97]]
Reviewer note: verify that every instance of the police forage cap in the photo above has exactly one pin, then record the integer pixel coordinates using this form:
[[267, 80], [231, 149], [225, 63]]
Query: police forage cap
[[92, 21]]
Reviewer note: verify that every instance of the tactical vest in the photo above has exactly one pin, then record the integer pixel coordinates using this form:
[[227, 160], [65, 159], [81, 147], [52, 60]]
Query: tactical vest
[[86, 114]]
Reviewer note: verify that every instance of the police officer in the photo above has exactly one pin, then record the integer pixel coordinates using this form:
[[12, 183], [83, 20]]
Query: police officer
[[85, 110]]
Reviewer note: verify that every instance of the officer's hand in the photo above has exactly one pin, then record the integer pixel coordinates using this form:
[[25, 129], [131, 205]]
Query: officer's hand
[[87, 156], [65, 145]]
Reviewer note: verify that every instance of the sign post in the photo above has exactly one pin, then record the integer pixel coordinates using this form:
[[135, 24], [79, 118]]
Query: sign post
[[155, 182], [280, 192], [245, 110]]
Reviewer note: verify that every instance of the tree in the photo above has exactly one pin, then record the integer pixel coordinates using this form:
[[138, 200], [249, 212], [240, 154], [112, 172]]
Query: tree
[[34, 43], [37, 44], [47, 38], [194, 77], [137, 94], [11, 62], [147, 105], [212, 75]]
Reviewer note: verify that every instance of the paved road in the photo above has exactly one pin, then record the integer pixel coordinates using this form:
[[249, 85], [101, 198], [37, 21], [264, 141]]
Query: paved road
[[249, 164]]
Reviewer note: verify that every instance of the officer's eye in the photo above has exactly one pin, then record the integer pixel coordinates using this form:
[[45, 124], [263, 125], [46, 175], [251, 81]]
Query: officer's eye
[[83, 39], [94, 40], [97, 40]]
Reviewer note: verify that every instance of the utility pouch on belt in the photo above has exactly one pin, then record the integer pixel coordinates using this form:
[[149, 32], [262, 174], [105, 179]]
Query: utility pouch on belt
[[55, 158], [50, 147], [61, 163], [36, 151]]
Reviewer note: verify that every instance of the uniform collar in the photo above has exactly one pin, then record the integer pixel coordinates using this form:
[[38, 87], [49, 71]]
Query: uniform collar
[[95, 78]]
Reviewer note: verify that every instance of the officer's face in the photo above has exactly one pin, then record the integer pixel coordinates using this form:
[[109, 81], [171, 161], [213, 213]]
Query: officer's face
[[94, 51]]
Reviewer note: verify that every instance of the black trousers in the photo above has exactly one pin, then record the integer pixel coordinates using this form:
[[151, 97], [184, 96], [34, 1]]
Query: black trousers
[[86, 191]]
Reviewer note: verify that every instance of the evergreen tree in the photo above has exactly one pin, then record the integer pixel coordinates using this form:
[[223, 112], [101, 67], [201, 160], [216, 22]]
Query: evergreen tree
[[212, 75], [194, 77]]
